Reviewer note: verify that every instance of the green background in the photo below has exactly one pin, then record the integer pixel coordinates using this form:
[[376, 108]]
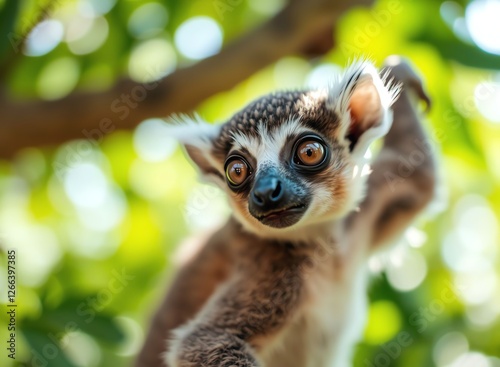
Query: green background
[[437, 300]]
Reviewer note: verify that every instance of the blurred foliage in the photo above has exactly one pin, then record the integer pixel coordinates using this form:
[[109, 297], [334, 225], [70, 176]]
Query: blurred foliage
[[96, 234]]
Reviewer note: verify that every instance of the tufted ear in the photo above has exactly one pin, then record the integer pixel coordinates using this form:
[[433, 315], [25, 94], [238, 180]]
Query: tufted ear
[[198, 137], [362, 99]]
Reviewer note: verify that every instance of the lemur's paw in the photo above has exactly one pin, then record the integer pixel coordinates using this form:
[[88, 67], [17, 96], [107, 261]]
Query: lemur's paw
[[402, 72], [204, 348]]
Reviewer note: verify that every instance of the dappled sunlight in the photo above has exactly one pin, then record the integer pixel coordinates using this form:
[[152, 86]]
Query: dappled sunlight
[[97, 220], [82, 349], [152, 141], [322, 75], [487, 103], [206, 208], [482, 21], [58, 78], [95, 8], [150, 180], [44, 38], [449, 347], [406, 270], [266, 7], [134, 336], [152, 60], [199, 37], [91, 39], [384, 322], [471, 359], [86, 185], [148, 20], [291, 72]]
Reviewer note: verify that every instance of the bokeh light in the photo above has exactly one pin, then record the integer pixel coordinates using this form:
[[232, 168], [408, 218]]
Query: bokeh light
[[482, 22], [471, 359], [486, 314], [415, 237], [267, 7], [107, 215], [134, 336], [44, 38], [96, 7], [291, 72], [198, 37], [77, 26], [90, 243], [150, 179], [449, 347], [487, 99], [450, 11], [151, 60], [152, 141], [478, 287], [206, 208], [322, 75], [91, 39], [86, 185], [472, 245], [148, 20], [58, 78], [82, 350], [81, 211], [406, 269], [384, 322]]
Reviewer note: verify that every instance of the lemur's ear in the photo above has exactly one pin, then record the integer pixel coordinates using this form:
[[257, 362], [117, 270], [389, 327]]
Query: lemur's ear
[[198, 136], [362, 100]]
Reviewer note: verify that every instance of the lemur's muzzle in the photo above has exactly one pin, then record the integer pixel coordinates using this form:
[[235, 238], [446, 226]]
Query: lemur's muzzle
[[273, 201], [268, 193]]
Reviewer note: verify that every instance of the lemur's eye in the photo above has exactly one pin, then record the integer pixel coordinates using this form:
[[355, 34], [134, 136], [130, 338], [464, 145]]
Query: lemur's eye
[[310, 153], [237, 171]]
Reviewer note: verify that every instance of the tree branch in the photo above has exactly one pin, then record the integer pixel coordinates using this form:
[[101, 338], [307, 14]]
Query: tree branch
[[39, 123]]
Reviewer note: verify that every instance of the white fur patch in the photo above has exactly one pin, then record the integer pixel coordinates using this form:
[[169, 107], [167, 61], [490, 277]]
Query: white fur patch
[[196, 132], [192, 130], [340, 92], [267, 146]]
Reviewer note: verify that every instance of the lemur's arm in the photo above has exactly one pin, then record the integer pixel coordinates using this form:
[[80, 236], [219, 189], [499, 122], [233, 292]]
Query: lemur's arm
[[403, 176], [192, 286], [242, 317]]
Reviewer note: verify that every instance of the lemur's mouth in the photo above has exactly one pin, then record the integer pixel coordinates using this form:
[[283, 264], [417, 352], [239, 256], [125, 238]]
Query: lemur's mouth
[[278, 212], [282, 217]]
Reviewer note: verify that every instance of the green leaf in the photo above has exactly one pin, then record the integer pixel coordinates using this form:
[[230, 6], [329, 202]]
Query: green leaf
[[45, 351], [77, 314], [9, 40], [456, 50]]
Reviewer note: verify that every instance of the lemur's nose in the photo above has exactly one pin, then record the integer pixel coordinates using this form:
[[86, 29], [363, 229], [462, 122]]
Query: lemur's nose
[[267, 191]]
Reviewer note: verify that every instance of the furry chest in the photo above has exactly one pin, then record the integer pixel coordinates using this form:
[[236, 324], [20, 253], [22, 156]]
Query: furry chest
[[327, 327]]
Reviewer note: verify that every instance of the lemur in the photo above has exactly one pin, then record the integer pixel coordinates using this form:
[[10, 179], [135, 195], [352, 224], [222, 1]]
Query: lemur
[[283, 282]]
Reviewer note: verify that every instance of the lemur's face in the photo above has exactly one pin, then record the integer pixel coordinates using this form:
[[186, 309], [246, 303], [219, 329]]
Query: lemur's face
[[292, 159], [283, 165]]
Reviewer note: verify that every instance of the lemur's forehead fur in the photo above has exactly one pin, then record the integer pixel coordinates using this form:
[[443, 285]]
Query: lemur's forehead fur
[[273, 111]]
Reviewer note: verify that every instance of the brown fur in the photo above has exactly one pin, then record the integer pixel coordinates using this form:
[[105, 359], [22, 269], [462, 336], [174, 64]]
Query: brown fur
[[249, 301]]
